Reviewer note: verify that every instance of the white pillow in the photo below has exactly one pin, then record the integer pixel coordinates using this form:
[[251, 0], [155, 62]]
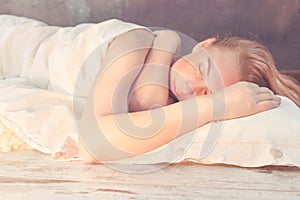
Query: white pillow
[[268, 138]]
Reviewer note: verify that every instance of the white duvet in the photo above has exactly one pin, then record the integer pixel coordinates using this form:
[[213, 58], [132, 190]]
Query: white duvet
[[39, 65], [39, 74]]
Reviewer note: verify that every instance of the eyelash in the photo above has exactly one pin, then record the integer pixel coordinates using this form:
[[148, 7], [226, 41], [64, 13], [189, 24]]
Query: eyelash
[[201, 70]]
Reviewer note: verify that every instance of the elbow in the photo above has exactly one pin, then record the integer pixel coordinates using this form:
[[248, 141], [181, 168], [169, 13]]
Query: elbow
[[146, 104], [147, 101]]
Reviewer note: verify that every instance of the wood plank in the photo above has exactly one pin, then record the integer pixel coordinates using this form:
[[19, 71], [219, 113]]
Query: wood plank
[[32, 175]]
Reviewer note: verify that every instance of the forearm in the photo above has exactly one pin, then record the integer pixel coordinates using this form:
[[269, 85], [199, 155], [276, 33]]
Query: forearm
[[151, 86], [166, 123], [129, 134]]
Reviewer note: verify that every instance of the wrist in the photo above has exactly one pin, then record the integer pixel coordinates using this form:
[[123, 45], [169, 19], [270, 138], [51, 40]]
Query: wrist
[[204, 106], [167, 40]]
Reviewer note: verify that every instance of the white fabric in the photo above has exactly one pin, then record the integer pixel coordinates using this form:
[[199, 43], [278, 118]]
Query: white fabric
[[39, 66], [40, 72], [51, 57]]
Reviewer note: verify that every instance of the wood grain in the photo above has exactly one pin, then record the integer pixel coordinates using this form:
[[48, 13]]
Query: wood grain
[[32, 175]]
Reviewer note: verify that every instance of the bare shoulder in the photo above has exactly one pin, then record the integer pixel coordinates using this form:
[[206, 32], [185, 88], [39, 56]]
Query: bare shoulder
[[129, 41]]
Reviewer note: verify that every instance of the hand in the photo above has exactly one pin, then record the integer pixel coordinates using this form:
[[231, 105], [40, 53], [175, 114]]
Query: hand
[[242, 99], [167, 40]]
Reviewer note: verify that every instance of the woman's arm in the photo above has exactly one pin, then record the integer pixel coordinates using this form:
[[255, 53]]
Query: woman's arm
[[127, 134], [123, 62], [151, 86], [139, 132]]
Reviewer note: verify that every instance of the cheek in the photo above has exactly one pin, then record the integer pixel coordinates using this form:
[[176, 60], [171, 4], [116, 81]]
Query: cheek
[[179, 84], [214, 78], [230, 77], [221, 74], [218, 80]]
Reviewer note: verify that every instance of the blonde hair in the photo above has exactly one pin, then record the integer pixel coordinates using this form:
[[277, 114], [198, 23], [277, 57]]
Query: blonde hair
[[257, 65]]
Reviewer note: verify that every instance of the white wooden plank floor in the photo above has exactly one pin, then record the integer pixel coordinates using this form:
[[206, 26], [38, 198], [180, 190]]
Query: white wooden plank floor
[[31, 175]]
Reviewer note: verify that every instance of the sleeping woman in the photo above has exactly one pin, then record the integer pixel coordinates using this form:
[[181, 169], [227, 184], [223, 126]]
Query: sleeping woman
[[221, 79], [141, 99]]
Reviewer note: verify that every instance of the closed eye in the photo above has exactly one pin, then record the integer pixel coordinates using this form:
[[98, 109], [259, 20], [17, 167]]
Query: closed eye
[[203, 67], [208, 66]]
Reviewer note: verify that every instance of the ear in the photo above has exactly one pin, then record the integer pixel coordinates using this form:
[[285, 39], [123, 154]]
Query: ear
[[205, 43]]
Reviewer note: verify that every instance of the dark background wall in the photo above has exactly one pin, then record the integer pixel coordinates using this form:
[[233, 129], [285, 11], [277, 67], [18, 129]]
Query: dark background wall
[[275, 23]]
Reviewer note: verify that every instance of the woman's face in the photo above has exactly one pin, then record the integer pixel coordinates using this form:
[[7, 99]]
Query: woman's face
[[203, 71]]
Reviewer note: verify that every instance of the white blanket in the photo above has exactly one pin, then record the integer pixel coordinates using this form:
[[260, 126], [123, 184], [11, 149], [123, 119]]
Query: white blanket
[[40, 75], [39, 65]]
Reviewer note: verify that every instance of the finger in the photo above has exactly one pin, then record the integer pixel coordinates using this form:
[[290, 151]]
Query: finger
[[266, 96], [264, 90], [267, 105]]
